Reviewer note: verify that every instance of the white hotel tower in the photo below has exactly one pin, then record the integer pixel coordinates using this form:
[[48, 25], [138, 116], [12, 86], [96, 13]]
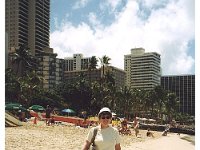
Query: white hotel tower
[[142, 69]]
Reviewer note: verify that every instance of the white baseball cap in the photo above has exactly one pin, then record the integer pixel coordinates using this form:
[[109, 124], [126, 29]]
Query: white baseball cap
[[105, 109]]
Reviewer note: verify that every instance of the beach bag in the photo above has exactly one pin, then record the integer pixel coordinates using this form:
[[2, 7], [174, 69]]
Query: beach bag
[[93, 146]]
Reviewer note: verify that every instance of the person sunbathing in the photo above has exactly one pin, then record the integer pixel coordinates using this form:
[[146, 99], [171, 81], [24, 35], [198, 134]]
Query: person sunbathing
[[164, 133], [149, 133], [124, 128]]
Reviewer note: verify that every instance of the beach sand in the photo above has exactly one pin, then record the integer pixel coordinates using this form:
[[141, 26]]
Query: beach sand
[[69, 137], [170, 142]]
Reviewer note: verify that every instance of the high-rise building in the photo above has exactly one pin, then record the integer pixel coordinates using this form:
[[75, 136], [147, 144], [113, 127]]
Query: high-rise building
[[6, 50], [184, 88], [16, 24], [142, 69], [28, 22], [77, 63]]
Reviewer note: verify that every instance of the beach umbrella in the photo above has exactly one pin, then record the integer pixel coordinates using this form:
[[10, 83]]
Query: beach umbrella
[[68, 111], [14, 106], [37, 108]]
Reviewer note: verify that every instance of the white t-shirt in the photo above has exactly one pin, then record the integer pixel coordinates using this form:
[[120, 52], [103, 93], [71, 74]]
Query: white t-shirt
[[106, 139]]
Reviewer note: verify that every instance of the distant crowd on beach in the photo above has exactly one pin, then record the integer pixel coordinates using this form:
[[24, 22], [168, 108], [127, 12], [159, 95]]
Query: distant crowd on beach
[[123, 125]]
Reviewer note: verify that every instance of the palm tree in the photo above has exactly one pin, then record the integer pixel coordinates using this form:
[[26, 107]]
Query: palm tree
[[147, 101], [160, 98], [125, 100], [22, 89], [50, 97], [171, 105], [93, 63], [97, 94], [110, 90], [152, 101], [104, 63], [31, 85], [109, 78], [77, 93], [23, 61], [12, 86], [92, 66]]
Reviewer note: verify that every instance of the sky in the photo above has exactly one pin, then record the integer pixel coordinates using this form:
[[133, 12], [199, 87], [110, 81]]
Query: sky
[[114, 27]]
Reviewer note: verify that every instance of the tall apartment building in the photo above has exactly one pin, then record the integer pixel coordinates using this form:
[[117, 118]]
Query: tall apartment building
[[28, 22], [77, 63], [142, 69], [6, 50], [184, 88]]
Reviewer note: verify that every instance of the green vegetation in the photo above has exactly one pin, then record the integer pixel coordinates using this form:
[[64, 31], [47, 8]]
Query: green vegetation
[[23, 85]]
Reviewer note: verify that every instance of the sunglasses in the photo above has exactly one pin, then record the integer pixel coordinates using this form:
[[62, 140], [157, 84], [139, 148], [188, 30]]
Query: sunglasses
[[105, 117]]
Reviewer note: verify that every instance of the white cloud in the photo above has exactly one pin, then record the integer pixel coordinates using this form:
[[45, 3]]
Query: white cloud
[[110, 3], [169, 31], [166, 31], [80, 4], [69, 40], [114, 3], [93, 19], [153, 3]]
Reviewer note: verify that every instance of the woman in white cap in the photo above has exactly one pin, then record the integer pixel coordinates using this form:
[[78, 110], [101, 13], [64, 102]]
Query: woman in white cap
[[105, 137]]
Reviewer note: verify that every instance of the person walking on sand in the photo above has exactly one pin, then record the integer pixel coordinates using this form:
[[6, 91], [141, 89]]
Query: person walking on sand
[[136, 127], [48, 115], [107, 137]]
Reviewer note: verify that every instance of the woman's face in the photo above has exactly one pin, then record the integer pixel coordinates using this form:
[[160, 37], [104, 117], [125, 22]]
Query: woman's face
[[105, 118]]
